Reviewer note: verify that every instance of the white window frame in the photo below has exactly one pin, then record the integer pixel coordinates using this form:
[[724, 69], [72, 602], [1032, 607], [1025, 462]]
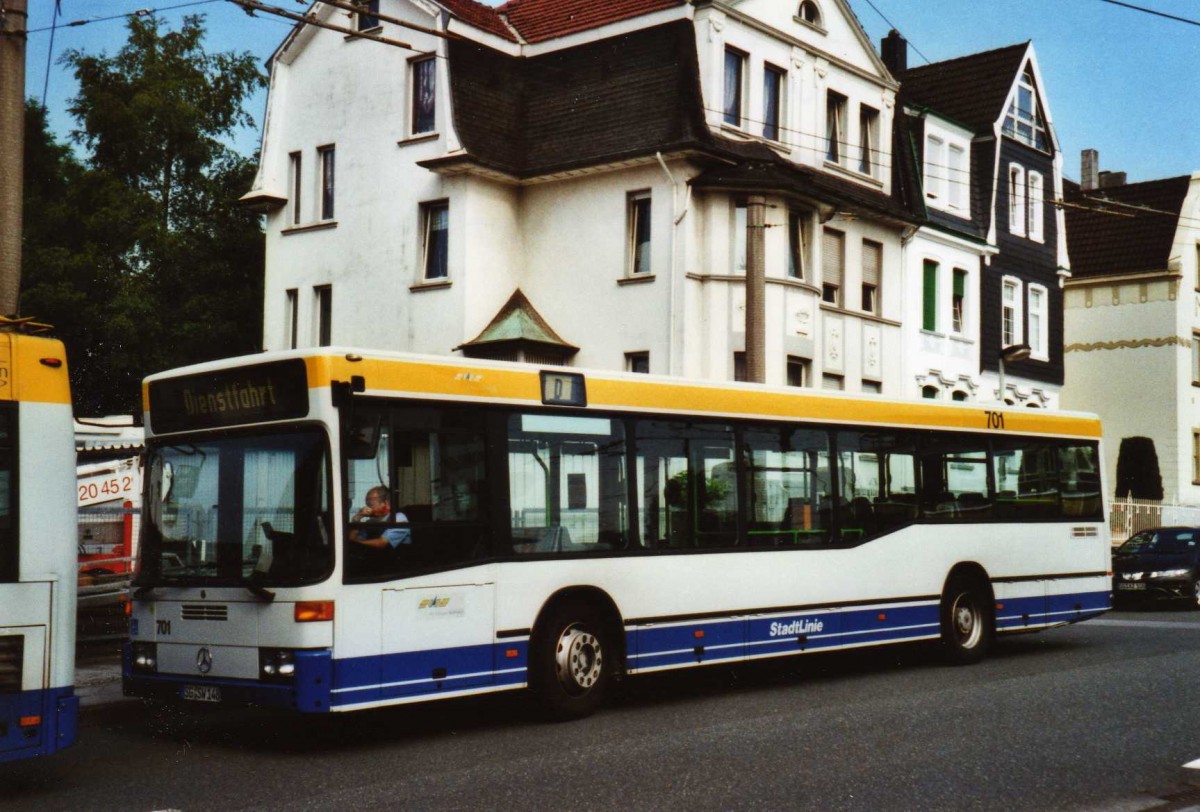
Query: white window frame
[[958, 178], [428, 210], [743, 69], [1035, 189], [1039, 344], [414, 65], [367, 17], [1018, 317], [327, 182], [1016, 200], [836, 142], [296, 185], [935, 168], [963, 317], [868, 140], [634, 216], [781, 130]]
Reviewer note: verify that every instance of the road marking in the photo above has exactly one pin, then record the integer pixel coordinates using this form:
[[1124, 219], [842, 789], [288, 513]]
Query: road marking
[[1193, 765], [1144, 624]]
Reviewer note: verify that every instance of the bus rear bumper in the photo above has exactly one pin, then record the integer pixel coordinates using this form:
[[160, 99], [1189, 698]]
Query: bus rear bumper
[[306, 692], [37, 723]]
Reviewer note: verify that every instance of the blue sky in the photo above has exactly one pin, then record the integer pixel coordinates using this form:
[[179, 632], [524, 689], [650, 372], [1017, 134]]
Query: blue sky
[[1124, 82]]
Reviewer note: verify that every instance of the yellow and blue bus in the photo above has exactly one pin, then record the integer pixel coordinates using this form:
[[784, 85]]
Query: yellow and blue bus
[[335, 529], [39, 711]]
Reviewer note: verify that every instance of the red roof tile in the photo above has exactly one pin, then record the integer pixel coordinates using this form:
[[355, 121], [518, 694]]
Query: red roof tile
[[480, 16], [539, 20]]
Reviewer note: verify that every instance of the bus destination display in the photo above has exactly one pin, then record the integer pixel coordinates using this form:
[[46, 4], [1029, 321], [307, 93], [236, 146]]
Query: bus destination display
[[253, 394]]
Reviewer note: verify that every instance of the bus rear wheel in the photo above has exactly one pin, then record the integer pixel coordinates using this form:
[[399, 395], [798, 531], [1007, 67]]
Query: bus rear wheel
[[573, 661], [967, 620]]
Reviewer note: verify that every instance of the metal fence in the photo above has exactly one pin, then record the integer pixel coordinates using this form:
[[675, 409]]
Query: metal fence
[[1129, 516]]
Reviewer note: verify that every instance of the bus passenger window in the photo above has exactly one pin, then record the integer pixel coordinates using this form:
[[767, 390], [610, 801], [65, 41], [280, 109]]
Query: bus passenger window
[[1026, 481], [1079, 482], [567, 484], [954, 478], [788, 491], [687, 485], [878, 483]]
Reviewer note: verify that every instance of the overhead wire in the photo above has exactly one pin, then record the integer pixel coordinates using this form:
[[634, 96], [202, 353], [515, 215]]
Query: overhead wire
[[141, 12]]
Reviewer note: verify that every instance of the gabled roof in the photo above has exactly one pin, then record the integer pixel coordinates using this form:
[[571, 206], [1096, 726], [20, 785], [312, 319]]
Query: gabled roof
[[971, 90], [1102, 244], [519, 323], [539, 20]]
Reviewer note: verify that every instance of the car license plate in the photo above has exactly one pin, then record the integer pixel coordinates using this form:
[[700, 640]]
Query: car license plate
[[201, 693], [1133, 587]]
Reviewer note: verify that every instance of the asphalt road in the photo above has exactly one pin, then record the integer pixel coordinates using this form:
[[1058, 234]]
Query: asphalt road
[[1099, 716]]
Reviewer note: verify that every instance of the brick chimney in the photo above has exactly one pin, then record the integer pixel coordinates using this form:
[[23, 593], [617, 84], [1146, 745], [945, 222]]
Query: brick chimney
[[894, 50], [1089, 176]]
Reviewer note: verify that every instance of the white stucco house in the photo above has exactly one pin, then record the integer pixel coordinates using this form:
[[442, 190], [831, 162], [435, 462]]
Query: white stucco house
[[565, 181], [1133, 318]]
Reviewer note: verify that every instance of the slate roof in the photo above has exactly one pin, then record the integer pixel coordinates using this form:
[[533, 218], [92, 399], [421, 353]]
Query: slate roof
[[970, 90], [539, 20], [1106, 244], [615, 99]]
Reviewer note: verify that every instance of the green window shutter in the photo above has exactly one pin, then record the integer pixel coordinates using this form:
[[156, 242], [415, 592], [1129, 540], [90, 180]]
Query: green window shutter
[[960, 284], [929, 321]]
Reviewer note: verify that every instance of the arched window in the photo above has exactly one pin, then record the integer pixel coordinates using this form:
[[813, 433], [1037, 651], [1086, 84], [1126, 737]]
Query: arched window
[[958, 395], [809, 13], [930, 392]]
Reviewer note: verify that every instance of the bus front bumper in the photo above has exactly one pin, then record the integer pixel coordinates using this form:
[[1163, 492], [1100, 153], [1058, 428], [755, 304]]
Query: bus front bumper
[[308, 690]]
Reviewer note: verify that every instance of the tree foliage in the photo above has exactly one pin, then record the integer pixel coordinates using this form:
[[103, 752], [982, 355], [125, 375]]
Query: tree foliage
[[1138, 474], [137, 252]]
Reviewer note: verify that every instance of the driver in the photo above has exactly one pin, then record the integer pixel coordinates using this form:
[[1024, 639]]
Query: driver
[[378, 509]]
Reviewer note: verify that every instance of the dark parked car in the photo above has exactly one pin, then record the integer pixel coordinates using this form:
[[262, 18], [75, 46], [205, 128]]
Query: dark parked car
[[1161, 562]]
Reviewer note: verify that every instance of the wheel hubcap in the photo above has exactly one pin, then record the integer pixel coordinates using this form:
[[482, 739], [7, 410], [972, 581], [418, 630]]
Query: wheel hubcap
[[965, 617], [578, 660]]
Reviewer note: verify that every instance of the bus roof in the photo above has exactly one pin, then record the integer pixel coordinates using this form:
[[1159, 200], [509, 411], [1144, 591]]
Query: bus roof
[[392, 374]]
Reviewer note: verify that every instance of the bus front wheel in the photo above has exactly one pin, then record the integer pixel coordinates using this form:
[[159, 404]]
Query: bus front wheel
[[573, 661], [967, 620]]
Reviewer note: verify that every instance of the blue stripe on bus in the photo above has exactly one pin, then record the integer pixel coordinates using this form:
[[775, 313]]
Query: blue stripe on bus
[[467, 669], [58, 711]]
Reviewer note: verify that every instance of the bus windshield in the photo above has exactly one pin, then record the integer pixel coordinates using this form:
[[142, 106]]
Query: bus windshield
[[246, 509]]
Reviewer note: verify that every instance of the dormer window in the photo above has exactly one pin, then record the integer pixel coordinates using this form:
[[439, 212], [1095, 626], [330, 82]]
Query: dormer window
[[1024, 120], [809, 13]]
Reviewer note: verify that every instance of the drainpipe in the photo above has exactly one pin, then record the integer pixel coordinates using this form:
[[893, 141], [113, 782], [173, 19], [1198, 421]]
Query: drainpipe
[[676, 218]]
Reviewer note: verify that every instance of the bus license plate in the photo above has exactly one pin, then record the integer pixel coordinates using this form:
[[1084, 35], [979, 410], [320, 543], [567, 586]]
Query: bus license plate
[[202, 693], [1134, 586]]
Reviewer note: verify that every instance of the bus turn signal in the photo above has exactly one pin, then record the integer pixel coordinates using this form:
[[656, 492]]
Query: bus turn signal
[[312, 611]]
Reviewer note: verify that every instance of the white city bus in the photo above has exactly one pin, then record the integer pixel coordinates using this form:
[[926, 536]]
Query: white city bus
[[39, 711], [554, 528]]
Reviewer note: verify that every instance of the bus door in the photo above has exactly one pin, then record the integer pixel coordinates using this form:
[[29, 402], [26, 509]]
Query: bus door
[[437, 639]]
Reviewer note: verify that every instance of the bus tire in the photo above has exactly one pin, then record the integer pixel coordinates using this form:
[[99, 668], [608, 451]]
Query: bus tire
[[967, 619], [574, 656]]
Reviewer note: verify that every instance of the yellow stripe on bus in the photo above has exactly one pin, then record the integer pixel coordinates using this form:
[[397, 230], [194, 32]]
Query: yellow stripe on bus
[[452, 380]]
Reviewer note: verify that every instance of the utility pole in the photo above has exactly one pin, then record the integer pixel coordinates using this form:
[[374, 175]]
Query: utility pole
[[12, 149], [756, 293]]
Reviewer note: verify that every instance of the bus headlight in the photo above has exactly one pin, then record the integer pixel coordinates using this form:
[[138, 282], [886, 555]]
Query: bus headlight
[[145, 657], [276, 664]]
